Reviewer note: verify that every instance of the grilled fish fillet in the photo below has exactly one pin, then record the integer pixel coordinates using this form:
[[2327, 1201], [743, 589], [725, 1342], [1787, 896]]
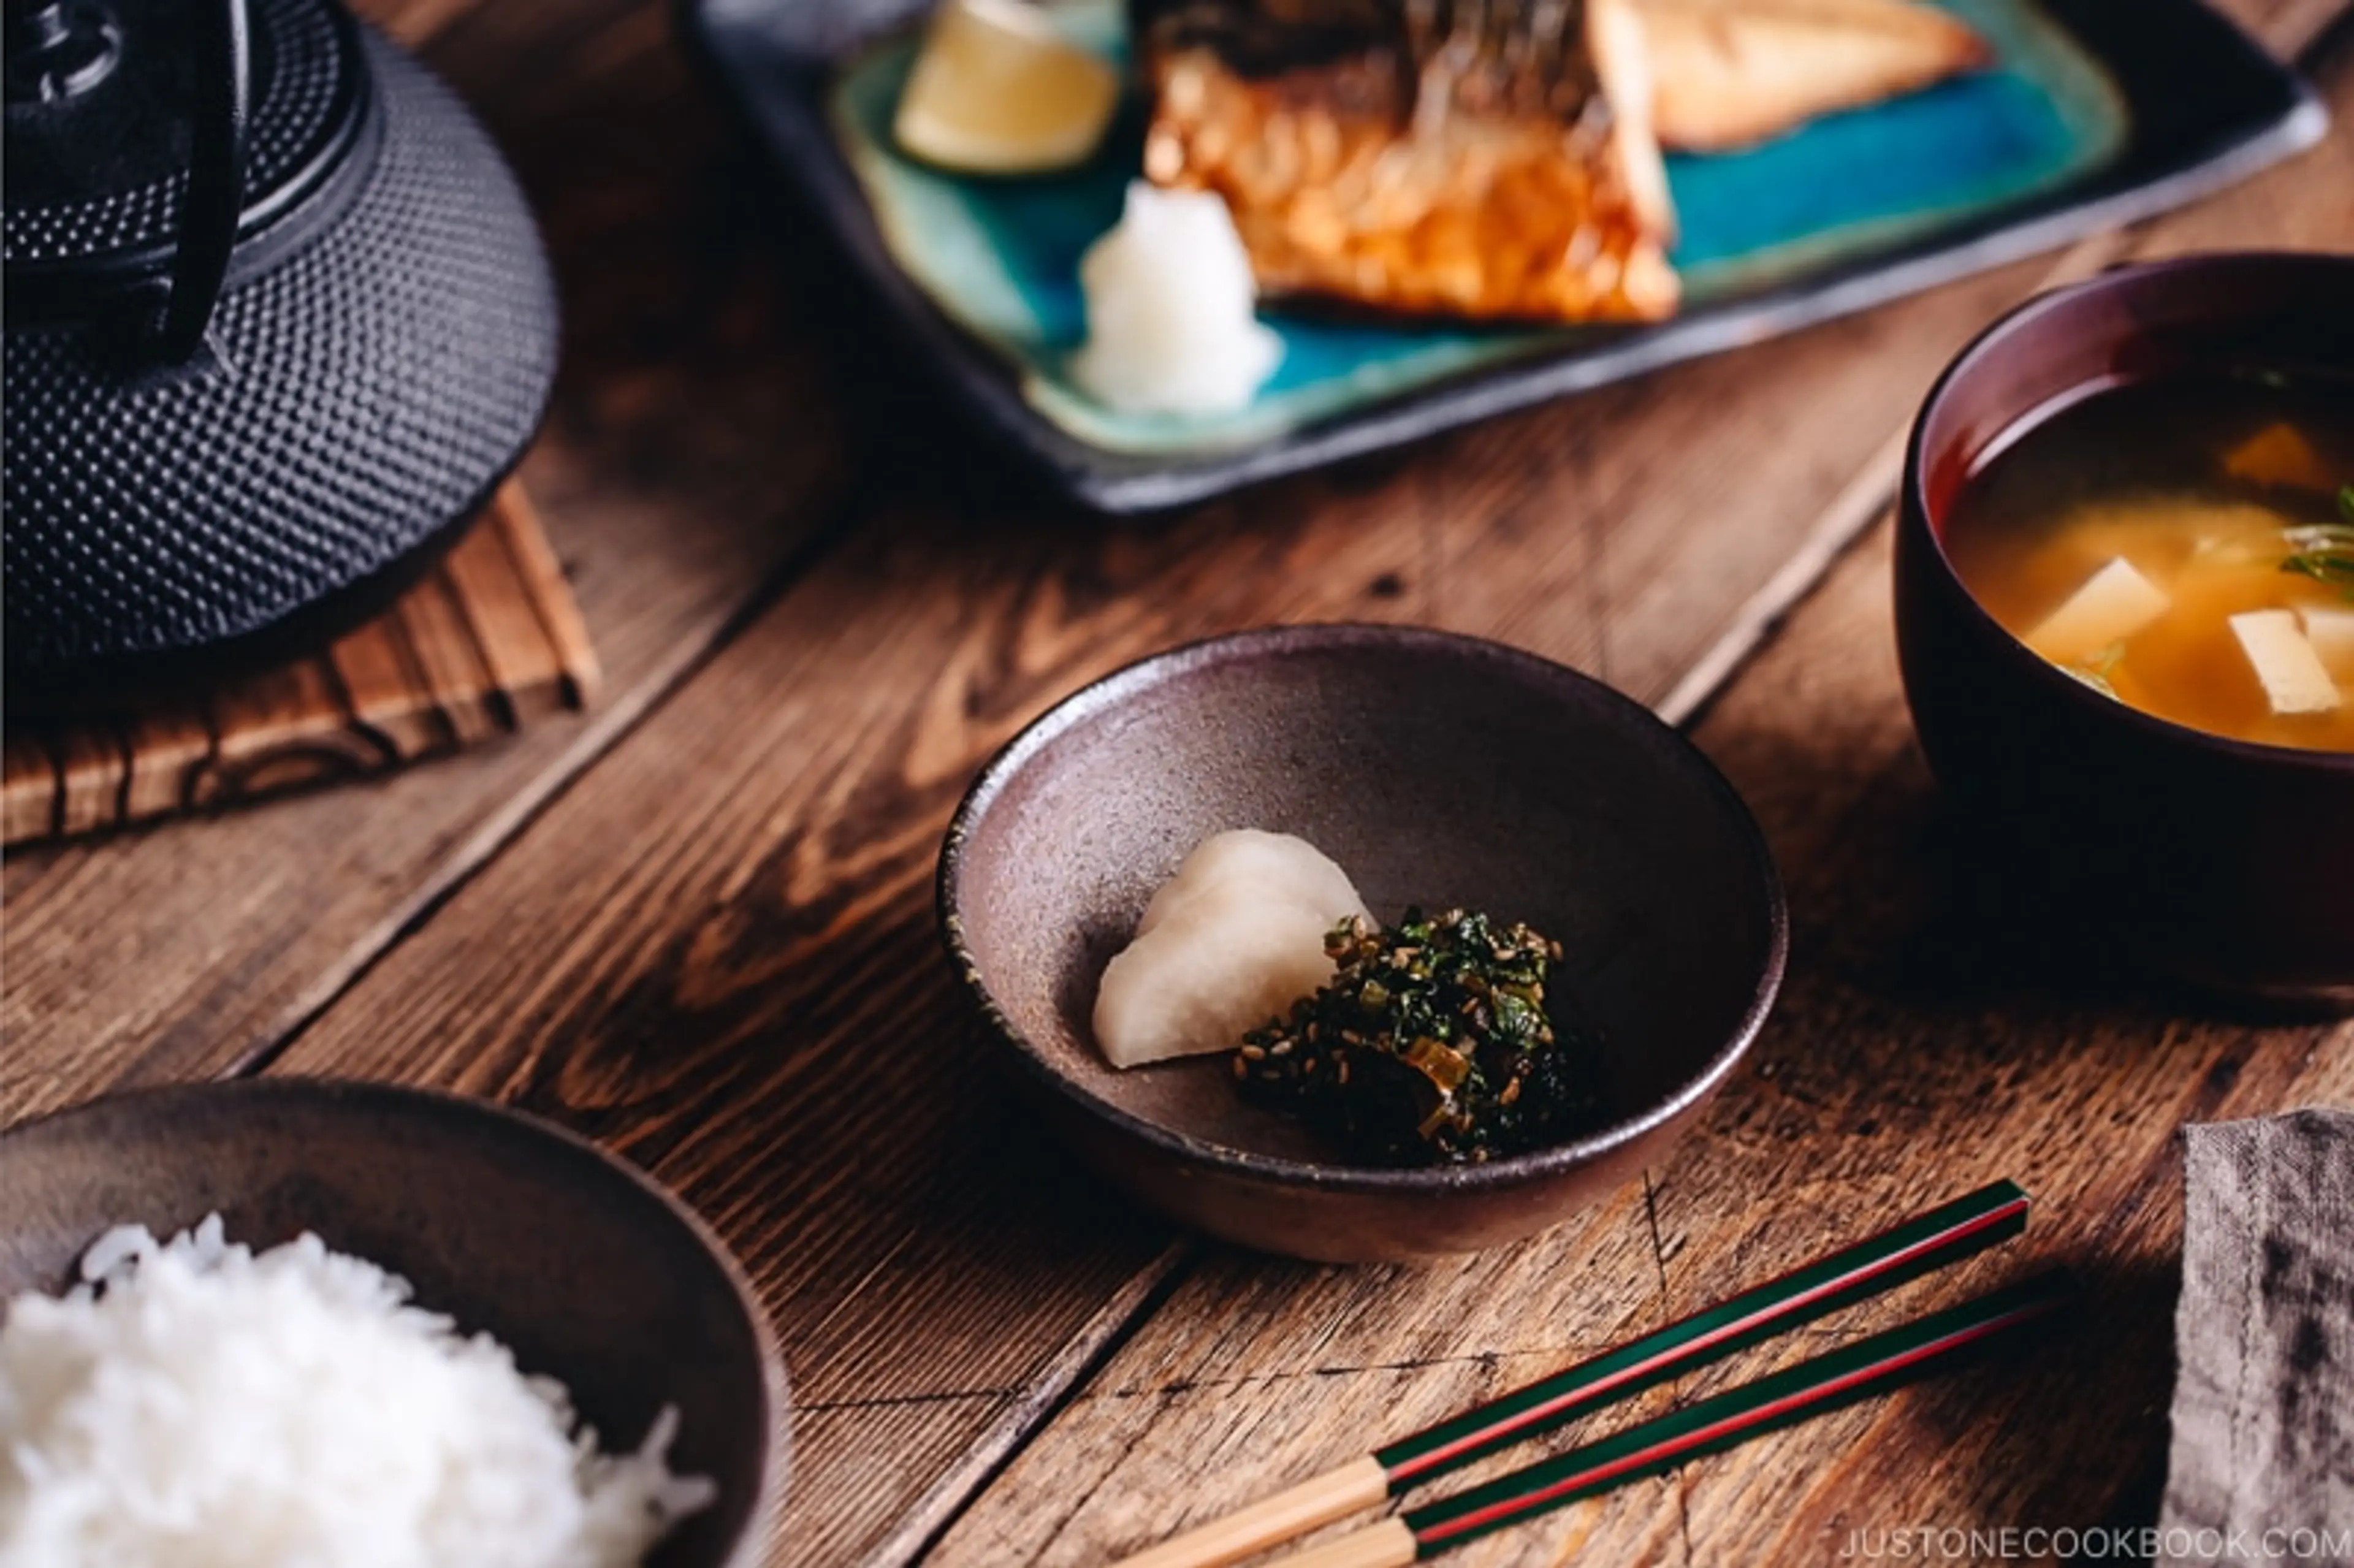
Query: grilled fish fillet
[[1728, 73], [1479, 158]]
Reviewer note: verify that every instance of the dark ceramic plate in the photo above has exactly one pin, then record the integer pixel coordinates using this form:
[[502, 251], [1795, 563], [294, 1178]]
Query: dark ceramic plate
[[2097, 114], [582, 1266], [1436, 770]]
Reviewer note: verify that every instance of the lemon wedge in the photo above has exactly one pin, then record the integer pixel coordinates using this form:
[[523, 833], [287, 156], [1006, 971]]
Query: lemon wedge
[[997, 90]]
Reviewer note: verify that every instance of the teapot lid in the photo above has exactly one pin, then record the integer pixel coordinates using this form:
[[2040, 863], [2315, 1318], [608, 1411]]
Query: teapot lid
[[104, 100]]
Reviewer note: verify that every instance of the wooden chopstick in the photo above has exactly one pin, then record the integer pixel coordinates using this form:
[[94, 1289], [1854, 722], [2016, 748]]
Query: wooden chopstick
[[1943, 1235], [1821, 1383]]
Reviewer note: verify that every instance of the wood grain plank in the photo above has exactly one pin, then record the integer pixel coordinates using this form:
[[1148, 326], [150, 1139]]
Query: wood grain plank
[[1631, 559], [413, 23], [691, 451], [1917, 1048], [491, 599], [523, 540], [706, 985], [1258, 1373], [1043, 604], [28, 786], [168, 747], [434, 627], [288, 728], [712, 949], [743, 991], [1907, 1062], [90, 768], [1811, 732], [1916, 1052], [716, 960], [379, 676], [480, 646]]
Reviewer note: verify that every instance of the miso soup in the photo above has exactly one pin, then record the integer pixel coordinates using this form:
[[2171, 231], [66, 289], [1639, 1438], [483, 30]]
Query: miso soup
[[2185, 546]]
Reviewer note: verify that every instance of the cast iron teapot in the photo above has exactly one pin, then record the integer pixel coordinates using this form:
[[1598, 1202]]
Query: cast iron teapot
[[278, 321]]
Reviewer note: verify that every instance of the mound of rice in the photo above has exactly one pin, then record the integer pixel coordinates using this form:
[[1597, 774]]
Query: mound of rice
[[197, 1404]]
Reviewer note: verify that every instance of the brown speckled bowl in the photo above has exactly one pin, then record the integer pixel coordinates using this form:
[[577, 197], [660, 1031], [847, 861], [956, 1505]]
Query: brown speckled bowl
[[580, 1265], [1435, 769], [2124, 841]]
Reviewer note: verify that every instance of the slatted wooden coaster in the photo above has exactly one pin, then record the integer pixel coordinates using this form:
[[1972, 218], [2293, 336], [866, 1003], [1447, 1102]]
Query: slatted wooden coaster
[[488, 640]]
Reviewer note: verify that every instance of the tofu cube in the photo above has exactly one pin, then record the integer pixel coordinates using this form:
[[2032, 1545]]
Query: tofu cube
[[2294, 679], [2115, 602], [2331, 632]]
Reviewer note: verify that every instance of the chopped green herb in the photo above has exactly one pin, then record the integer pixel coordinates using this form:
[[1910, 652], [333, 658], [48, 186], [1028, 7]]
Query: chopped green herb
[[1431, 1044], [2096, 669], [2325, 551]]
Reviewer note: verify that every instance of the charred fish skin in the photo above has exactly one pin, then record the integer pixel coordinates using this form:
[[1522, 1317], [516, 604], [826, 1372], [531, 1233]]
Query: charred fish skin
[[1487, 57], [1428, 156], [1269, 38]]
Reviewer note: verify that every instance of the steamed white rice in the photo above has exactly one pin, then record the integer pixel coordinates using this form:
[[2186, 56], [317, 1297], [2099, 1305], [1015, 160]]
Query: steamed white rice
[[197, 1404]]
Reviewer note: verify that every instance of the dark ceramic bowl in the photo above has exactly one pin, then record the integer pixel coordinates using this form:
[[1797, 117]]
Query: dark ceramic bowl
[[1436, 770], [578, 1264], [2224, 865]]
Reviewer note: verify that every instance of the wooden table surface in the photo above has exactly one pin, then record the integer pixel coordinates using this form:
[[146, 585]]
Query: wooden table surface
[[696, 923]]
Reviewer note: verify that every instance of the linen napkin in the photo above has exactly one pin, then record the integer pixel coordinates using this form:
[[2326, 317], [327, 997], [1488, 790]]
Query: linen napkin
[[2263, 1461]]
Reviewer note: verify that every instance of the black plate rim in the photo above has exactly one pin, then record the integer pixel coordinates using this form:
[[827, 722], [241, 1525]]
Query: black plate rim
[[2264, 112]]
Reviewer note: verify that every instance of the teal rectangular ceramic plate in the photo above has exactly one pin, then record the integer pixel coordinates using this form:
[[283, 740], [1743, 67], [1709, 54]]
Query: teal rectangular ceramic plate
[[2095, 113]]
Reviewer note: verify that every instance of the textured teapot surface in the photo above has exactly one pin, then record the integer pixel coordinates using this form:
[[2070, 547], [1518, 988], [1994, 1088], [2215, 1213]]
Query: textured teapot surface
[[372, 358]]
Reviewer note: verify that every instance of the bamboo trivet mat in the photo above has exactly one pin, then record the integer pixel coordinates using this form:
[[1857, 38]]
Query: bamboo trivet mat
[[488, 641]]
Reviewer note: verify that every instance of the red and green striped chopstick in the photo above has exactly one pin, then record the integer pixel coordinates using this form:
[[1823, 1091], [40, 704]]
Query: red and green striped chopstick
[[1824, 1382], [1943, 1235]]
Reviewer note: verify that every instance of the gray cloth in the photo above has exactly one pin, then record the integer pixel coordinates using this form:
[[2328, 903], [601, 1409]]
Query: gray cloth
[[2263, 1461]]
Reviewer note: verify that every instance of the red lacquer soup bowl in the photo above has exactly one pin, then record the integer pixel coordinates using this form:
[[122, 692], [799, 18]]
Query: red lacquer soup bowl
[[2222, 865]]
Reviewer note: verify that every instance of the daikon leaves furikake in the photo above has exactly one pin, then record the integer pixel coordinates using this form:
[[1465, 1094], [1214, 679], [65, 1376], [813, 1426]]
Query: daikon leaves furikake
[[1431, 1044]]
